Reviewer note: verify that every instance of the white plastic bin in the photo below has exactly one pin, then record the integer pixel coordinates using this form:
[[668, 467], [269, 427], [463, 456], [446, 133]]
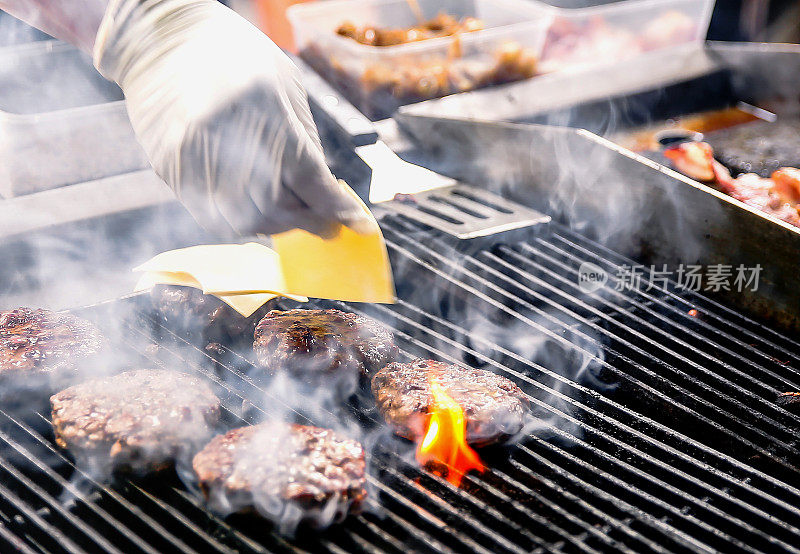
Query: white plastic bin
[[620, 30], [378, 79]]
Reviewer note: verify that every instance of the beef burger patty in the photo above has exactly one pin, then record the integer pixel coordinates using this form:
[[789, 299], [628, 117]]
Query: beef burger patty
[[281, 469], [143, 419], [188, 310], [494, 406], [319, 342], [41, 342]]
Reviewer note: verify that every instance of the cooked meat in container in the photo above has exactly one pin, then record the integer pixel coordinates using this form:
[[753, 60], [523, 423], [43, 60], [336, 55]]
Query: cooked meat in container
[[140, 420], [286, 472], [382, 54], [495, 408]]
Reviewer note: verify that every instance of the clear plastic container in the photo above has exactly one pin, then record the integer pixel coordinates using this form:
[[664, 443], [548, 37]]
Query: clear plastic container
[[61, 122], [621, 30], [378, 79]]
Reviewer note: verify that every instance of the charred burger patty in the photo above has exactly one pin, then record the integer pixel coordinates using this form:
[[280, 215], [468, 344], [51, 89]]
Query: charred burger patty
[[494, 406], [273, 465], [189, 310], [314, 342], [142, 419], [36, 341]]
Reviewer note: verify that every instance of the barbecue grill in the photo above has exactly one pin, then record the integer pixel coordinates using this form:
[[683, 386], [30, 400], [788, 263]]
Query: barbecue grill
[[658, 429]]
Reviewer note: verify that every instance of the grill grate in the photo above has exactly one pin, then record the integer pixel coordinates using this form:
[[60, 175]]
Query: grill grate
[[658, 429]]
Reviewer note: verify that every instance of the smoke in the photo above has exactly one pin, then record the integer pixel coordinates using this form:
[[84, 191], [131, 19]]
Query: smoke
[[473, 311], [13, 31]]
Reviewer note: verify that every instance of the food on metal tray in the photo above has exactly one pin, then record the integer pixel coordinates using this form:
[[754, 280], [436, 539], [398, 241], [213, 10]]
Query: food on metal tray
[[778, 195]]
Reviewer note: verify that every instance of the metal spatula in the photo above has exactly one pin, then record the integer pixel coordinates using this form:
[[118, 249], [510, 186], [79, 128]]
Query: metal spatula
[[461, 210]]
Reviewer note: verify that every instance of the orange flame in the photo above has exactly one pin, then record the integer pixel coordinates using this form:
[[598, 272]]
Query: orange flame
[[444, 448]]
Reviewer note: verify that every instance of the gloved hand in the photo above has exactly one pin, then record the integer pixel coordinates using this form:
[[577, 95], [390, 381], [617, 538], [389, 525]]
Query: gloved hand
[[222, 116]]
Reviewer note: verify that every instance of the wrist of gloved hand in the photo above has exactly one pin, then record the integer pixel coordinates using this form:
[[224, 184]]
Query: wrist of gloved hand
[[220, 112]]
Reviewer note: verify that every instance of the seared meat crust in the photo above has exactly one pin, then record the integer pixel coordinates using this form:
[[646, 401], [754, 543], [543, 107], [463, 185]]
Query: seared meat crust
[[275, 464], [313, 342], [188, 310], [494, 406], [36, 341], [142, 419]]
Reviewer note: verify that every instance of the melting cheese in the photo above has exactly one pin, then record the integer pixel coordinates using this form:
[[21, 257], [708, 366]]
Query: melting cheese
[[245, 304], [349, 266]]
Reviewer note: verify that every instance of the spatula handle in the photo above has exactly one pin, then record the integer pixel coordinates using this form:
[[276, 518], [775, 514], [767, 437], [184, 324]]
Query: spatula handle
[[340, 115]]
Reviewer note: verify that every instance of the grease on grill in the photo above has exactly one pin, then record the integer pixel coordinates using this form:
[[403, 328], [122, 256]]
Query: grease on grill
[[789, 400], [759, 147]]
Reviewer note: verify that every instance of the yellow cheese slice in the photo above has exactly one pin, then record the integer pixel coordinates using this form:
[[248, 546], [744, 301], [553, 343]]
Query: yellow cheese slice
[[245, 304], [350, 266], [152, 278], [222, 268]]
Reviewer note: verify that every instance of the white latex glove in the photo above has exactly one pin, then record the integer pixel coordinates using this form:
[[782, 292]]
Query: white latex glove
[[222, 116]]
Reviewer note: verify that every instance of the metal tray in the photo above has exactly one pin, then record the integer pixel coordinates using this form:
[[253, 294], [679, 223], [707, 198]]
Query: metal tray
[[60, 121], [625, 201]]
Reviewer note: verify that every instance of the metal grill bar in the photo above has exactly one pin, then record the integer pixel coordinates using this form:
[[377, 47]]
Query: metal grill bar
[[556, 429], [675, 360], [725, 318], [732, 374], [590, 415], [734, 425], [132, 512], [603, 472], [724, 345], [12, 543]]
